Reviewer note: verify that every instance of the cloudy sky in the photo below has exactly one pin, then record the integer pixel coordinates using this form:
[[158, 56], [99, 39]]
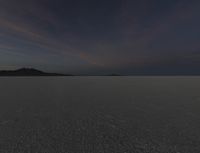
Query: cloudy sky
[[101, 36]]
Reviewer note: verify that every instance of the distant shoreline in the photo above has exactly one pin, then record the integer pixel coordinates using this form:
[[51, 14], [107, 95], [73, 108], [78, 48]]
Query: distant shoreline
[[31, 72]]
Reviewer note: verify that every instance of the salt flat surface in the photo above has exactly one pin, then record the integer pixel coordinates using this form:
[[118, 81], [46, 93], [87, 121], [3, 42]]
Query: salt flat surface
[[100, 114]]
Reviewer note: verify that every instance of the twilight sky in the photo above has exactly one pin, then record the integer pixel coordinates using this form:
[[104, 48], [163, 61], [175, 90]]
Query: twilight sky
[[101, 36]]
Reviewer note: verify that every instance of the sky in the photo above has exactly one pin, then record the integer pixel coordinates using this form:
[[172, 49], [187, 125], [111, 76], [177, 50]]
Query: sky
[[95, 37]]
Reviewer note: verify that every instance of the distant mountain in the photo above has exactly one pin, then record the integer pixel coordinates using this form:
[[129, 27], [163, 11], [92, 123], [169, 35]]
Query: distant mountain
[[29, 72], [113, 74]]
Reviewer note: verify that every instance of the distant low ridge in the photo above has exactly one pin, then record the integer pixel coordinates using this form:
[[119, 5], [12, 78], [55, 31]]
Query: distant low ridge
[[29, 72], [114, 74]]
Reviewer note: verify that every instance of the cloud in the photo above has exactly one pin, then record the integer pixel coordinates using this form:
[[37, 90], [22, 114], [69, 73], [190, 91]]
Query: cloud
[[35, 37]]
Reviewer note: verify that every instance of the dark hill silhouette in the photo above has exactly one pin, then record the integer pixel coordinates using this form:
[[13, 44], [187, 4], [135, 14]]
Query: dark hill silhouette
[[114, 74], [29, 72]]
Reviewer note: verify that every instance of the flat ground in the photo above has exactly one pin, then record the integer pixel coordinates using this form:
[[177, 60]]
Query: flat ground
[[100, 115]]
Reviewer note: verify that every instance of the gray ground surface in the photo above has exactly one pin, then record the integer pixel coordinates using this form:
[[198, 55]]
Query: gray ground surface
[[100, 115]]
